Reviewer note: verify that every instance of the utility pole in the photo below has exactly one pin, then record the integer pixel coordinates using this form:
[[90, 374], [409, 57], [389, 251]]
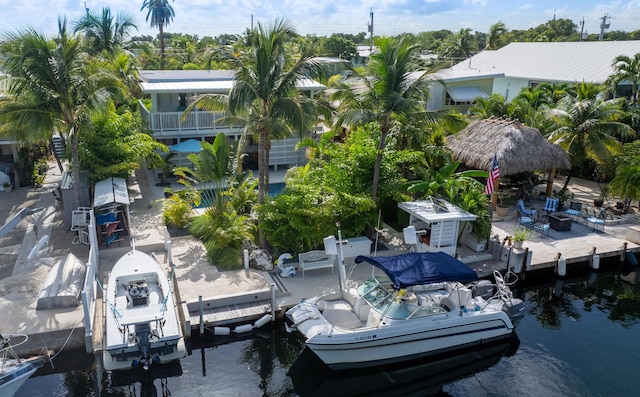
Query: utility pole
[[370, 30], [582, 29], [604, 25]]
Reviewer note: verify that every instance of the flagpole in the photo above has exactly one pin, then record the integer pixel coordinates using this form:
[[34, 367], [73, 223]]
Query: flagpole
[[494, 195]]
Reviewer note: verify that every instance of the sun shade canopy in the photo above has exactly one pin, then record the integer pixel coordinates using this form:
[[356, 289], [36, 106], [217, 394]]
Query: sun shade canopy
[[418, 268], [466, 94]]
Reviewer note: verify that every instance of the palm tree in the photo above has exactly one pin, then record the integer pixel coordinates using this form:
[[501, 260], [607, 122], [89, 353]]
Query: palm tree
[[161, 14], [627, 69], [626, 184], [106, 34], [494, 38], [389, 92], [586, 126], [264, 95], [53, 88], [461, 45]]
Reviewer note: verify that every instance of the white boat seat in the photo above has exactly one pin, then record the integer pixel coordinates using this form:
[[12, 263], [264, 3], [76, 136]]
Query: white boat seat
[[337, 304], [342, 318], [457, 298]]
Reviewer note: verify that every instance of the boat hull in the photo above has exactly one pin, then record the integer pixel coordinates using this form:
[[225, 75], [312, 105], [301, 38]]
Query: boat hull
[[141, 321], [11, 384], [121, 361], [383, 346]]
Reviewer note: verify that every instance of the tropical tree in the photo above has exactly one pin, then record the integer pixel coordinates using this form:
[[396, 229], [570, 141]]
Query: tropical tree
[[105, 33], [161, 14], [389, 91], [461, 45], [222, 229], [627, 69], [265, 96], [586, 126], [495, 36], [626, 184], [53, 87]]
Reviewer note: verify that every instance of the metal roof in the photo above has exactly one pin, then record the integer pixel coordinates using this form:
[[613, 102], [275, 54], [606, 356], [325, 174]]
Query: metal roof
[[110, 191], [433, 210], [589, 61], [209, 81]]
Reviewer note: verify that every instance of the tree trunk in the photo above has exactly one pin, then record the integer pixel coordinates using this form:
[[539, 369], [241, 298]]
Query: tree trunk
[[376, 167], [263, 176], [161, 46], [75, 166]]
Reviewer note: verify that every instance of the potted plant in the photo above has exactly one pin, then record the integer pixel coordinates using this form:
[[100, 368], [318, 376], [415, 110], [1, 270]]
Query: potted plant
[[7, 186], [520, 234], [599, 202], [501, 208]]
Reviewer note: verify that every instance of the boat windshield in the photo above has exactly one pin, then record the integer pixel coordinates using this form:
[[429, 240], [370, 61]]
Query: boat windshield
[[379, 294]]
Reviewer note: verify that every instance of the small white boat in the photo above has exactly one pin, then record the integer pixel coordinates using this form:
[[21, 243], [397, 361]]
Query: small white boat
[[141, 324], [14, 371], [423, 304]]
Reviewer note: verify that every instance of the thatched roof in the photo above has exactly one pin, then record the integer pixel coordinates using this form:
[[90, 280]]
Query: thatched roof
[[519, 148]]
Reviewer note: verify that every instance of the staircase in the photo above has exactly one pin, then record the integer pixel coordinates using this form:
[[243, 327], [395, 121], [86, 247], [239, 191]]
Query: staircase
[[58, 145]]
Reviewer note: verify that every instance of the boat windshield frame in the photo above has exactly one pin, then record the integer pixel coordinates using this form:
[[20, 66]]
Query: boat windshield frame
[[385, 300]]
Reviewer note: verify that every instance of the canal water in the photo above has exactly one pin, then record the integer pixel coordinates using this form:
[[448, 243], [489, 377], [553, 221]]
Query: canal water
[[578, 338]]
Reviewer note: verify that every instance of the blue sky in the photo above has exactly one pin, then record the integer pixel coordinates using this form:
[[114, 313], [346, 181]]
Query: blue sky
[[323, 17]]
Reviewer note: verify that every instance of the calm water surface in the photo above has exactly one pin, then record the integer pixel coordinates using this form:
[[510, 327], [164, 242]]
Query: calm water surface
[[579, 338]]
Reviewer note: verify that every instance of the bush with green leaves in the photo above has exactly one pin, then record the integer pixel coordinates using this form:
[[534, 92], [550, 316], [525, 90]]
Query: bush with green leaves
[[176, 211]]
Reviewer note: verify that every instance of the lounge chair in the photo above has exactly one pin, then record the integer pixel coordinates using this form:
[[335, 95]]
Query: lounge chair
[[524, 212], [551, 205]]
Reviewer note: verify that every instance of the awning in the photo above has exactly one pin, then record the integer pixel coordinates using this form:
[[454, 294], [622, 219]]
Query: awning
[[466, 94]]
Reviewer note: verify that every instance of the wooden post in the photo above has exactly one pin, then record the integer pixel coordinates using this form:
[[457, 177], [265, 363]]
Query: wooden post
[[494, 195], [550, 182]]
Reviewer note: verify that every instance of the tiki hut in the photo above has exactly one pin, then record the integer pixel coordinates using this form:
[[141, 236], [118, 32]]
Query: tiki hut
[[518, 147]]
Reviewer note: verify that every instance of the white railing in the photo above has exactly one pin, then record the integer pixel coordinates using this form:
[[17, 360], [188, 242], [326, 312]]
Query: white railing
[[196, 121]]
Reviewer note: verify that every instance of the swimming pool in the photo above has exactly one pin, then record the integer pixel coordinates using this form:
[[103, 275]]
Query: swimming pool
[[274, 189]]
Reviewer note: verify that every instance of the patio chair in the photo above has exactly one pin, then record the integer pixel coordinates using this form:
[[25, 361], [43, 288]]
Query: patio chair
[[542, 228], [574, 210], [596, 219], [551, 205], [524, 212]]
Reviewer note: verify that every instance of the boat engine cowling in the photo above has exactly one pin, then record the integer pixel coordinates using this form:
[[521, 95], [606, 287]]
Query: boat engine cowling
[[484, 289]]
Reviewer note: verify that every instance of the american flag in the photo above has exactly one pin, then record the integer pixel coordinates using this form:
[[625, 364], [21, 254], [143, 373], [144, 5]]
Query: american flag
[[493, 175]]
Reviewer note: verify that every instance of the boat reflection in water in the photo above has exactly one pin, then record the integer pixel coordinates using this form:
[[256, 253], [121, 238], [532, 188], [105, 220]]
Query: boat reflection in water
[[140, 382], [312, 378]]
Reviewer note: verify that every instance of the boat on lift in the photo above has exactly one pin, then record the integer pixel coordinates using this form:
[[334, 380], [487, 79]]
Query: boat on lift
[[422, 304], [141, 321]]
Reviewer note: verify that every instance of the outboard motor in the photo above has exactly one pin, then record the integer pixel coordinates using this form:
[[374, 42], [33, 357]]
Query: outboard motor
[[483, 289]]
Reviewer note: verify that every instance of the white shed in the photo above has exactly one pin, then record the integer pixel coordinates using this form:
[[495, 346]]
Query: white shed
[[437, 222], [111, 206]]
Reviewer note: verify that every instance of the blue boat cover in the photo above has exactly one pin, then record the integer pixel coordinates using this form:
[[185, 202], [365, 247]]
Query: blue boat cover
[[417, 268]]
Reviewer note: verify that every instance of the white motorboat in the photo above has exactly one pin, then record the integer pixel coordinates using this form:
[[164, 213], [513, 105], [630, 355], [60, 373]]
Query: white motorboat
[[423, 304], [141, 323], [14, 371]]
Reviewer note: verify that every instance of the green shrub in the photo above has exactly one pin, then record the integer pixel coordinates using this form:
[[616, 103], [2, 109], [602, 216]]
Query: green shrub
[[176, 212]]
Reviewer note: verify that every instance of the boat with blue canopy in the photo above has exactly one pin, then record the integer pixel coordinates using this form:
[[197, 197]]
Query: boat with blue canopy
[[415, 305]]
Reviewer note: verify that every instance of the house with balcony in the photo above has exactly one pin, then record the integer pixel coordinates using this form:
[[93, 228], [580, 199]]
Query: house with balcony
[[170, 91], [517, 65]]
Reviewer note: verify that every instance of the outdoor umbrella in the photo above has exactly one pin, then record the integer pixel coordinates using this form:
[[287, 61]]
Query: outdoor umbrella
[[188, 146]]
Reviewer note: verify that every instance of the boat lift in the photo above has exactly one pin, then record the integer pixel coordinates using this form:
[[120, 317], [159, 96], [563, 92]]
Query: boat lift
[[13, 222]]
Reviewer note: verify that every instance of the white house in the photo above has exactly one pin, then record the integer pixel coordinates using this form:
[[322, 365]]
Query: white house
[[170, 91], [507, 70]]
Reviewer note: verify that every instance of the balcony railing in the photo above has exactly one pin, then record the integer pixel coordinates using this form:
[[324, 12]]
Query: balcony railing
[[196, 121]]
